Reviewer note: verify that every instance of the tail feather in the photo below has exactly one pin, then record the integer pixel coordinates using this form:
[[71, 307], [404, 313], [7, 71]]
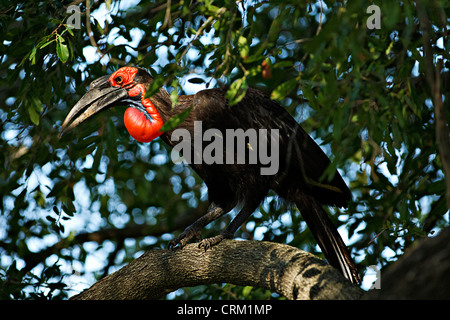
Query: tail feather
[[328, 238]]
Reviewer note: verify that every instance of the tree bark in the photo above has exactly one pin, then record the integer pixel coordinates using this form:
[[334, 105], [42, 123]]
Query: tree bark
[[286, 270], [422, 273]]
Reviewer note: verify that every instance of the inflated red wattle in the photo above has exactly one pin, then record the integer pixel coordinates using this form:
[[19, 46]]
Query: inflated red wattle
[[139, 127]]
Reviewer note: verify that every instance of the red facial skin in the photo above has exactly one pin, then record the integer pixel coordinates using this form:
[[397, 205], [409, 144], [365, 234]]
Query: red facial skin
[[137, 124]]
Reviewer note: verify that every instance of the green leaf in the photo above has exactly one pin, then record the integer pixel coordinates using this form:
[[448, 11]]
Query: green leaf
[[32, 56], [283, 89], [62, 50], [34, 116], [46, 44], [275, 29], [57, 189], [69, 29], [44, 41], [176, 120], [436, 187], [283, 64], [156, 84], [237, 91], [253, 58], [68, 208], [51, 219], [243, 47], [196, 80], [246, 291], [37, 104]]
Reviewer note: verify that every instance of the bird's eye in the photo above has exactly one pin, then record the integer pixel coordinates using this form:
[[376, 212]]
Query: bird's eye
[[118, 80]]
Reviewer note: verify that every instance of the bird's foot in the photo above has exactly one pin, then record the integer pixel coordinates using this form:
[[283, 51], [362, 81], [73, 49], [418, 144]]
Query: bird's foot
[[210, 242], [183, 238]]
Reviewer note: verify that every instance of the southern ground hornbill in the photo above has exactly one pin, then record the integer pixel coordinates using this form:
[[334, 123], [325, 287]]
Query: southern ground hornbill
[[231, 185]]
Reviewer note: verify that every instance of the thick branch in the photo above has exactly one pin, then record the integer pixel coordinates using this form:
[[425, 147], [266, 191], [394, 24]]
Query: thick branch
[[286, 270]]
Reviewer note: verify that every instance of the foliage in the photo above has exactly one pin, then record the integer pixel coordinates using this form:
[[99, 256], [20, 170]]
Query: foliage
[[77, 208]]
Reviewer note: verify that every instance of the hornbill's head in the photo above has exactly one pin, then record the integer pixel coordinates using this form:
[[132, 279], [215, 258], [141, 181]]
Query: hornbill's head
[[126, 86]]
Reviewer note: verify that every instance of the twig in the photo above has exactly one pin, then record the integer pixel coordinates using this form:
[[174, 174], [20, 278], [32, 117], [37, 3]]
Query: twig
[[374, 238], [200, 30], [167, 21], [319, 28], [132, 231], [433, 75], [92, 39]]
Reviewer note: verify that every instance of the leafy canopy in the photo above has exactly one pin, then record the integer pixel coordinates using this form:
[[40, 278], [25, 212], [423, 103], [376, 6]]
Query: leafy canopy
[[77, 208]]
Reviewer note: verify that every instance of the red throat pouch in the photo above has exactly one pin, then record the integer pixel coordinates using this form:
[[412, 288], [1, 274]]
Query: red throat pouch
[[140, 127]]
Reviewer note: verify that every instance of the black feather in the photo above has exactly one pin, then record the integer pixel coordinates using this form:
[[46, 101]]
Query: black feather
[[301, 166]]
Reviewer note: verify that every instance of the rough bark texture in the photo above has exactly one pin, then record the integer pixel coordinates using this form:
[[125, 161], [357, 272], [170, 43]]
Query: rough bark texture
[[286, 270], [422, 273]]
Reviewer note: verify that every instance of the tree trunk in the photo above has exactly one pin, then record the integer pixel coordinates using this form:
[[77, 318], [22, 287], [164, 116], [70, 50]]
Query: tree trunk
[[286, 270]]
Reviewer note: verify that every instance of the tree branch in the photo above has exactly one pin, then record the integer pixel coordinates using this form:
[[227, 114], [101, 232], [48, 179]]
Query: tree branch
[[286, 270], [130, 231], [433, 76], [92, 39]]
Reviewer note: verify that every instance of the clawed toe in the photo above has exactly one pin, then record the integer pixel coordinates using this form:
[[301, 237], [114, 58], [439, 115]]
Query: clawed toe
[[210, 242], [183, 238]]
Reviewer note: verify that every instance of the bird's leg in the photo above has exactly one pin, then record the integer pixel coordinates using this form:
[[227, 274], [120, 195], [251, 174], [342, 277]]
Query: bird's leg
[[229, 232], [195, 229]]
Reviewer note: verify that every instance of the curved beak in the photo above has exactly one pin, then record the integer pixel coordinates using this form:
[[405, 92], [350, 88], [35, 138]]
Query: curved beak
[[101, 95]]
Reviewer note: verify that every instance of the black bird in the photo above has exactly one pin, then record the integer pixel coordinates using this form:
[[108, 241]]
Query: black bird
[[232, 184]]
